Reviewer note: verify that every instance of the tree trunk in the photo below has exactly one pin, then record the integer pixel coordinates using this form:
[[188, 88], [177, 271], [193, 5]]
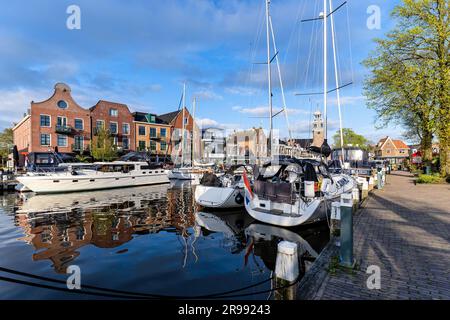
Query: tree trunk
[[444, 142], [426, 145]]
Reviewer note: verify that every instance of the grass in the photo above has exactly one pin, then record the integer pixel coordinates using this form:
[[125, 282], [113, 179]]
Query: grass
[[334, 266], [430, 179]]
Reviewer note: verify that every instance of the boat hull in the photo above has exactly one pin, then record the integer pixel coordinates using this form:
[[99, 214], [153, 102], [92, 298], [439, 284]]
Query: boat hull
[[216, 197], [69, 183]]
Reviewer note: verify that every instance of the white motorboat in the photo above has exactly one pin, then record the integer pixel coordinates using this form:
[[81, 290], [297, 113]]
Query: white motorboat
[[295, 192], [186, 173], [226, 191], [100, 175]]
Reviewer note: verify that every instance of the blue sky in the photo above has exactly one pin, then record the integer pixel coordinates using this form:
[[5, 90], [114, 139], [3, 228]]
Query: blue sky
[[140, 52]]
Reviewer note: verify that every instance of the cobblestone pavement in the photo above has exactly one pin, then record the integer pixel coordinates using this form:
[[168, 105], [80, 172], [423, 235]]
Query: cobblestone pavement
[[405, 230]]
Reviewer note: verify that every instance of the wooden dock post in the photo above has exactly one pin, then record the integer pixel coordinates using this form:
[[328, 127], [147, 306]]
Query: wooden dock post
[[286, 270], [365, 190]]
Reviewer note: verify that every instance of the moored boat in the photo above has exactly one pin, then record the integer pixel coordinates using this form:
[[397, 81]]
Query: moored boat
[[99, 175]]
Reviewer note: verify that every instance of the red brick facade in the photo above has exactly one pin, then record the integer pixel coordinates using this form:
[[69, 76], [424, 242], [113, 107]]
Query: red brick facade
[[115, 116]]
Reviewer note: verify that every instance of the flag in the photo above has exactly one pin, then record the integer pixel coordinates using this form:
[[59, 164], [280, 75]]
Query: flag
[[247, 184]]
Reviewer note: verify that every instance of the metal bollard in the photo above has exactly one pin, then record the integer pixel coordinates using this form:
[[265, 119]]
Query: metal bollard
[[346, 250]]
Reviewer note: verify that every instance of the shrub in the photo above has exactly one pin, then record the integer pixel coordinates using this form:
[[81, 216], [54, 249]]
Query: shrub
[[432, 178]]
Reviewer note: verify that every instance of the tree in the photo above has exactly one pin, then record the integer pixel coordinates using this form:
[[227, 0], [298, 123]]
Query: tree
[[103, 147], [410, 75], [6, 144], [350, 138]]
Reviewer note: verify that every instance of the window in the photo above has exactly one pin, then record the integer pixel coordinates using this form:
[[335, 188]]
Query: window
[[141, 130], [113, 112], [45, 120], [45, 139], [99, 124], [125, 128], [79, 143], [153, 132], [142, 146], [163, 132], [186, 120], [126, 143], [153, 145], [151, 118], [62, 104], [113, 127], [79, 124], [61, 122], [62, 140], [163, 146]]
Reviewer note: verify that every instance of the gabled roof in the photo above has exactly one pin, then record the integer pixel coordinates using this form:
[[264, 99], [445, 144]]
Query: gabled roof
[[143, 117], [169, 117], [399, 144], [110, 104]]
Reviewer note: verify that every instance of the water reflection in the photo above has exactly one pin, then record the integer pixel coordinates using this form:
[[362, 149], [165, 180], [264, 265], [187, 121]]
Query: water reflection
[[148, 239]]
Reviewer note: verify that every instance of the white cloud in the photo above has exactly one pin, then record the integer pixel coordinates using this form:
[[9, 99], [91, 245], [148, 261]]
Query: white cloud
[[348, 100], [206, 94], [206, 122], [263, 111]]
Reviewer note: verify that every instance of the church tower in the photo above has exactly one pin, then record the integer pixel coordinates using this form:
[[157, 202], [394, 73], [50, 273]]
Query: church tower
[[318, 130]]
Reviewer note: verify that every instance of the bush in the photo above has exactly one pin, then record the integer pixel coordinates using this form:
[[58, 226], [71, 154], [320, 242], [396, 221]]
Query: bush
[[432, 178]]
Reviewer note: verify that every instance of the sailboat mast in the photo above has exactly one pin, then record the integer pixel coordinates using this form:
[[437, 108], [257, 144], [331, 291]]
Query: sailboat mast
[[338, 92], [183, 130], [193, 132], [269, 75], [325, 71]]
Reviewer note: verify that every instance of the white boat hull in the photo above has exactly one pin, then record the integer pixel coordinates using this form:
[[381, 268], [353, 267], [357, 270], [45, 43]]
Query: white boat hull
[[65, 182], [184, 175], [216, 197]]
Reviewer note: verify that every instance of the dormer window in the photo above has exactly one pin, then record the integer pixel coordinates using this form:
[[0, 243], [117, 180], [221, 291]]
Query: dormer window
[[62, 104], [113, 112]]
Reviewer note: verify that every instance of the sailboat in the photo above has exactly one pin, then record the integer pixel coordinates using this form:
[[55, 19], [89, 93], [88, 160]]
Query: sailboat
[[293, 191], [187, 172]]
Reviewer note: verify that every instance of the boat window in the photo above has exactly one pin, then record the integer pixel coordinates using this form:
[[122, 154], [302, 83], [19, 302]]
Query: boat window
[[55, 181], [74, 180]]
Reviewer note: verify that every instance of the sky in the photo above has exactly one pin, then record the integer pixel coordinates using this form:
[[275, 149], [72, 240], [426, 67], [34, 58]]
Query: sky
[[140, 52]]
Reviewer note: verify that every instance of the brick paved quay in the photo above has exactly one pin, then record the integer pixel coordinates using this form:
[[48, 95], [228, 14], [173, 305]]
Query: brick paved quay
[[405, 230]]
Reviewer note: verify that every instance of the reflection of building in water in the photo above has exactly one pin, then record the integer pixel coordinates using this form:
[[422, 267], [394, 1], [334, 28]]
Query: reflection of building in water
[[59, 236], [247, 146]]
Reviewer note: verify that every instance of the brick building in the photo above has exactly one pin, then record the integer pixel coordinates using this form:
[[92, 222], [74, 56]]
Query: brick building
[[152, 133], [396, 151], [58, 122], [118, 120]]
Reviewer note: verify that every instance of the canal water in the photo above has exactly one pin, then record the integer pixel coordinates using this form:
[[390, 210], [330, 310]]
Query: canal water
[[147, 240]]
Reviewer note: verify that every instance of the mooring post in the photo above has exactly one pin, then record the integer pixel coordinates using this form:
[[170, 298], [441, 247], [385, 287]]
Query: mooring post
[[383, 171], [371, 182], [346, 250], [355, 196], [380, 180], [335, 221], [365, 190], [286, 270]]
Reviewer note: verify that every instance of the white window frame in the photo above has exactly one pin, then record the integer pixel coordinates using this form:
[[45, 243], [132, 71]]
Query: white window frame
[[116, 112], [128, 125], [82, 141], [116, 141], [150, 132], [82, 122], [117, 127], [57, 140], [40, 140], [62, 117], [47, 116], [102, 121]]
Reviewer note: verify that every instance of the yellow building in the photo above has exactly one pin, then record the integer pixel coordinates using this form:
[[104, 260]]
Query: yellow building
[[152, 134]]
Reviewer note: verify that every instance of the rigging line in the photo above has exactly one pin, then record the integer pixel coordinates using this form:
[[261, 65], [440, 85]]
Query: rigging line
[[350, 44], [281, 80]]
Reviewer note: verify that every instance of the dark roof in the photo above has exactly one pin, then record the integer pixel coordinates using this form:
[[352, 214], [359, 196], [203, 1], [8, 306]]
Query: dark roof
[[109, 104], [303, 143], [142, 117], [169, 117]]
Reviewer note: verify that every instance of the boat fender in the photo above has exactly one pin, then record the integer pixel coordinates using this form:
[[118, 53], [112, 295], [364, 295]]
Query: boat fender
[[309, 189], [239, 199]]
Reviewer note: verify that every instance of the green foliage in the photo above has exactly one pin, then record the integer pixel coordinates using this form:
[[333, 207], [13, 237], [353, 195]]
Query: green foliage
[[82, 158], [103, 147], [350, 138], [410, 75], [6, 144], [432, 178]]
